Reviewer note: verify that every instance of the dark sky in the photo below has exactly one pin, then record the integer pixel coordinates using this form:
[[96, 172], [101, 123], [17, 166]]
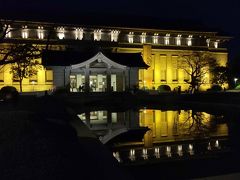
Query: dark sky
[[220, 14]]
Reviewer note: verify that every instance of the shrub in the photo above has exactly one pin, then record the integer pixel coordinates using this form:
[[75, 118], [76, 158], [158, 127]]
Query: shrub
[[216, 88], [9, 93], [164, 88]]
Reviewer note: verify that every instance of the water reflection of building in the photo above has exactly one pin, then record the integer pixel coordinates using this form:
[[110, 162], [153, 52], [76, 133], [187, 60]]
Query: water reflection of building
[[172, 134], [169, 126], [107, 124], [165, 126]]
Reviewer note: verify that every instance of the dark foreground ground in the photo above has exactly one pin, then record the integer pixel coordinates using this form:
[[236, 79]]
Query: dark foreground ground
[[38, 142]]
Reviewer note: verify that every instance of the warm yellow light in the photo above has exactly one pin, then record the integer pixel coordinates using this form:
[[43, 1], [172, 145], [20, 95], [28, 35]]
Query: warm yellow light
[[130, 37], [97, 34], [114, 35], [24, 32], [40, 32], [79, 33], [61, 32]]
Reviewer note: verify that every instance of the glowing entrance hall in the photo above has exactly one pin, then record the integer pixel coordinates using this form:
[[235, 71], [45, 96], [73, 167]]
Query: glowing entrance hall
[[95, 73]]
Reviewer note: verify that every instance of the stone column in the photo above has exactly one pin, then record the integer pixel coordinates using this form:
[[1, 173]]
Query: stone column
[[87, 74], [109, 87], [87, 116]]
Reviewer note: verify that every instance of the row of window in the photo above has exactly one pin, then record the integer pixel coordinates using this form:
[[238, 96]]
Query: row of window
[[114, 36], [32, 80]]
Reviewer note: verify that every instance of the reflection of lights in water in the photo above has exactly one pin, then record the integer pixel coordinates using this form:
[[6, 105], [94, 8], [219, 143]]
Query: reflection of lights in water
[[157, 152], [144, 154], [209, 146], [190, 147], [217, 144], [179, 150], [132, 156], [145, 110], [117, 156], [168, 151]]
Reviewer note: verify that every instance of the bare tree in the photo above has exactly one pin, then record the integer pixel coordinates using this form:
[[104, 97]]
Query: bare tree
[[25, 61], [196, 65], [197, 123]]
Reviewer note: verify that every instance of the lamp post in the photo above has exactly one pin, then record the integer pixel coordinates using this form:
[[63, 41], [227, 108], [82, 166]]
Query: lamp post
[[33, 82], [235, 81]]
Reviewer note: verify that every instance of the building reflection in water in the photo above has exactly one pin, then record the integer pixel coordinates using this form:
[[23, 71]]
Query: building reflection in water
[[171, 133], [169, 126]]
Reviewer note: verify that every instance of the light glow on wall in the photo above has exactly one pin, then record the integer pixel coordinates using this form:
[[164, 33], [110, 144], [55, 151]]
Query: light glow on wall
[[167, 39], [130, 37], [24, 32], [8, 32], [189, 40], [178, 40], [97, 34], [114, 35], [40, 32], [155, 38], [79, 33], [143, 38], [132, 156], [216, 44], [208, 42], [61, 32]]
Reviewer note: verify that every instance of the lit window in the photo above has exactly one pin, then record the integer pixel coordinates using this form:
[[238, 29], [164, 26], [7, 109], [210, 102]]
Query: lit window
[[143, 38], [155, 38], [33, 79], [49, 75], [167, 39], [208, 42], [61, 32], [40, 32], [178, 40], [97, 34], [24, 32], [79, 33], [1, 74], [130, 37], [114, 35], [8, 31], [189, 40], [216, 44]]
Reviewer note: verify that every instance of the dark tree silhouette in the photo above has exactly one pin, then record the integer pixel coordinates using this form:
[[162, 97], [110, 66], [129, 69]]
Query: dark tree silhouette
[[221, 75], [196, 65], [26, 64], [198, 123]]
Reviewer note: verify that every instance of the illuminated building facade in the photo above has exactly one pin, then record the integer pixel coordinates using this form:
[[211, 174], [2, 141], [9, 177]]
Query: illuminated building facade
[[158, 64]]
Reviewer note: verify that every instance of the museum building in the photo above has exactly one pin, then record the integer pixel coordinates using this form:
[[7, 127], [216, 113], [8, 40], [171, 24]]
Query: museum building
[[93, 58]]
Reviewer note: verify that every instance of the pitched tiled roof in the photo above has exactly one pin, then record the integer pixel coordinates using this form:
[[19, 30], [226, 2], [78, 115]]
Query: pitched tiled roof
[[67, 58]]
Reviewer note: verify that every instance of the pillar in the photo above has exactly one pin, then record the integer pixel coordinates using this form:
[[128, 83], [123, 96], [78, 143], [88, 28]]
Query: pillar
[[87, 88]]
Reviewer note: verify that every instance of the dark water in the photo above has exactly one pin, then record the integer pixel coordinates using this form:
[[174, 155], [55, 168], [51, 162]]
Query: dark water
[[151, 141]]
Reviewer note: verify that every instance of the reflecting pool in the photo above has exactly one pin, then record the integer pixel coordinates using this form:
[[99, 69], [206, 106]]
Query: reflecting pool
[[137, 136]]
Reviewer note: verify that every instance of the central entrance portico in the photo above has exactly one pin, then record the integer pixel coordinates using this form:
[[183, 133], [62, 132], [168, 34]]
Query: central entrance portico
[[98, 74]]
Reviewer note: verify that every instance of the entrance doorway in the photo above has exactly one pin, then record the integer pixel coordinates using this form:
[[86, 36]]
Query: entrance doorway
[[97, 83]]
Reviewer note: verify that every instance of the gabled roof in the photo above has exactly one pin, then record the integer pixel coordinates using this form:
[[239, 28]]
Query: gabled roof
[[99, 58], [68, 58]]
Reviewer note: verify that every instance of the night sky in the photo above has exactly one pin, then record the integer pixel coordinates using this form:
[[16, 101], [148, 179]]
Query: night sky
[[221, 15]]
